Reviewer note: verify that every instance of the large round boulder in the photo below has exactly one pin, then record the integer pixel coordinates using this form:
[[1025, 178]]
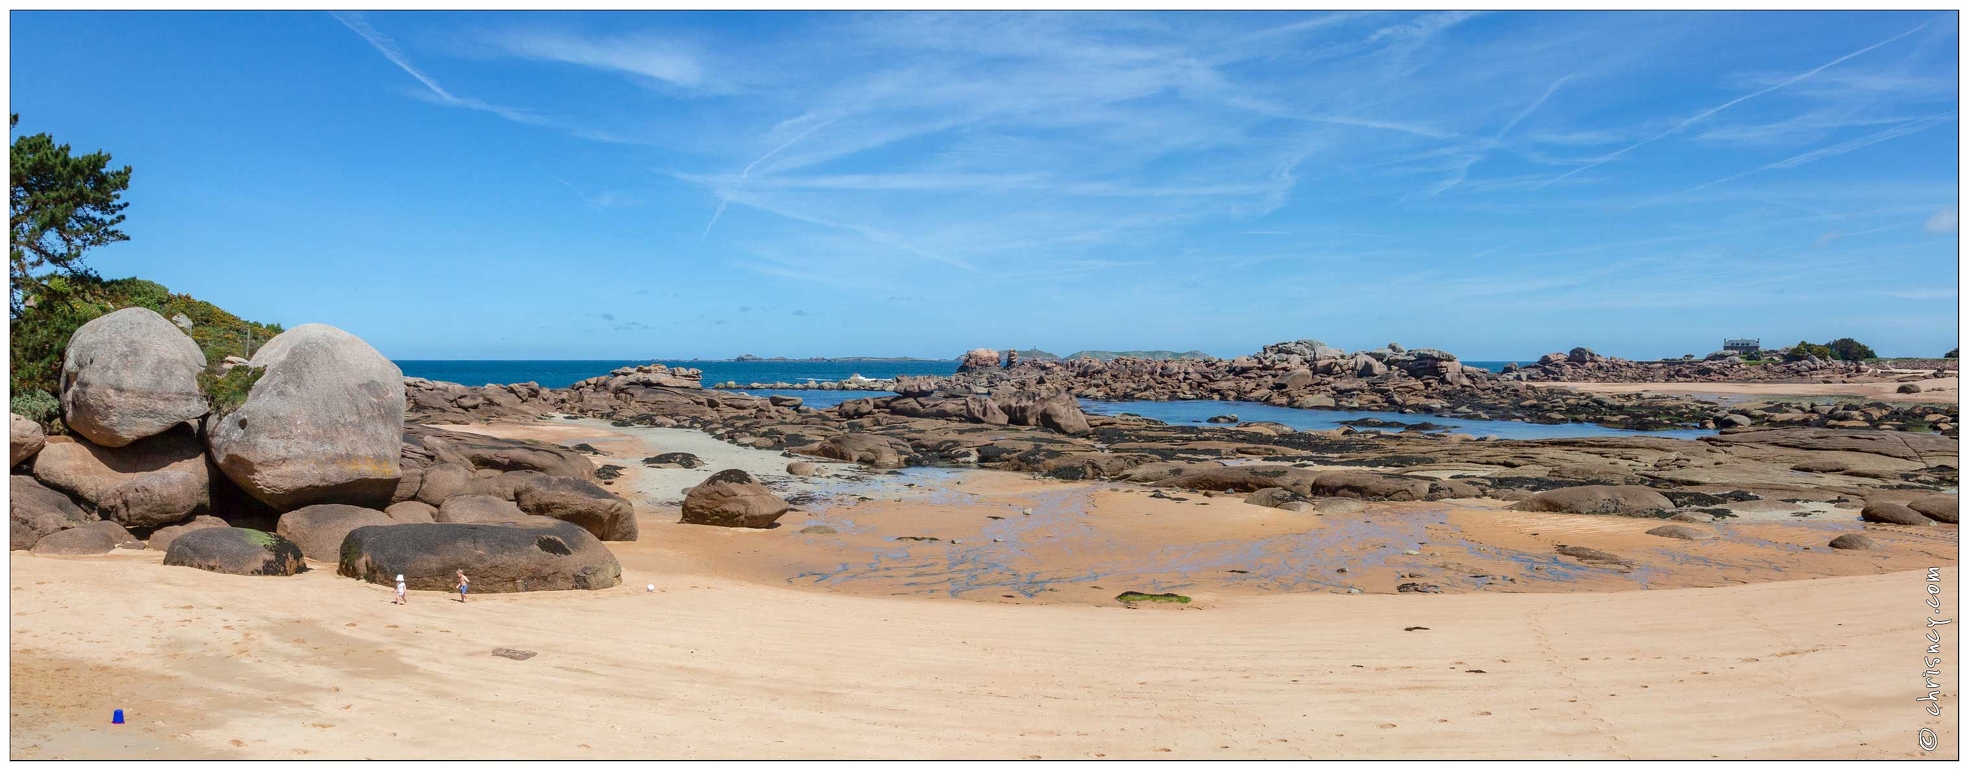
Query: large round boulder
[[147, 483], [36, 512], [543, 556], [443, 482], [128, 375], [24, 439], [319, 529], [607, 515], [1598, 499], [237, 551], [323, 424], [731, 498], [161, 538]]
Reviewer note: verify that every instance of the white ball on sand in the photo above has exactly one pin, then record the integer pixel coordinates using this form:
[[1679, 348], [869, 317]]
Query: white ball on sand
[[650, 588]]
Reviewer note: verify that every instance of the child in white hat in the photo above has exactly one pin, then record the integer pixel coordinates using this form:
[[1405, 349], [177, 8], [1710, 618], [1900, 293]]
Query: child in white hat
[[402, 599]]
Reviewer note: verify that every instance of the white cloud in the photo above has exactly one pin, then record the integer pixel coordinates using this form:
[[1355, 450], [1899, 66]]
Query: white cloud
[[1943, 222], [645, 56]]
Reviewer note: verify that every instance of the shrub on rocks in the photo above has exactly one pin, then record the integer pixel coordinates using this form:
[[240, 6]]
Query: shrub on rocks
[[236, 551], [545, 556]]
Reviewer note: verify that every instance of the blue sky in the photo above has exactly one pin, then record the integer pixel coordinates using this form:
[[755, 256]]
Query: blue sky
[[533, 185]]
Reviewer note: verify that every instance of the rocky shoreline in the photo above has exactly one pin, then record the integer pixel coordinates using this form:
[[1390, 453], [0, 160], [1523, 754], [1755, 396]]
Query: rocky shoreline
[[319, 449]]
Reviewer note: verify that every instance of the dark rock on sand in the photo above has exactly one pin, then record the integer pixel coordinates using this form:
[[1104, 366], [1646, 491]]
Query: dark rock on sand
[[1274, 497], [319, 529], [1598, 499], [236, 551], [731, 498], [1853, 542], [674, 460], [545, 556]]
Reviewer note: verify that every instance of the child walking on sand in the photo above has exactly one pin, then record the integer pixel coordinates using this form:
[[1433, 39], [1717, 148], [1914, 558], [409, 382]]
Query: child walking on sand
[[464, 585], [401, 588]]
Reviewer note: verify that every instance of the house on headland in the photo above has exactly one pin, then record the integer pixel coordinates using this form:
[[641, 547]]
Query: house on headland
[[1742, 347]]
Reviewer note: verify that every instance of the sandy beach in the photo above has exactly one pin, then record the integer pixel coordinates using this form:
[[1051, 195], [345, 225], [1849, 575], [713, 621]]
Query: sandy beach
[[971, 614], [1933, 390]]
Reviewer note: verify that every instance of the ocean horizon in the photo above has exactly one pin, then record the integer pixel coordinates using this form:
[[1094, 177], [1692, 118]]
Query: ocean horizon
[[561, 373]]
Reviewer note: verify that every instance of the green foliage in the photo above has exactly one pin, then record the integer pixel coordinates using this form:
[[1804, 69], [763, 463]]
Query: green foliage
[[38, 406], [1843, 349], [40, 333], [1950, 354], [1131, 598], [1848, 349], [226, 392], [1804, 350], [62, 205]]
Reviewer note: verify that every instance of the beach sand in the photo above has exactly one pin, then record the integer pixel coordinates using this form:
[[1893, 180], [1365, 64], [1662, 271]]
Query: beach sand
[[990, 639], [1933, 390]]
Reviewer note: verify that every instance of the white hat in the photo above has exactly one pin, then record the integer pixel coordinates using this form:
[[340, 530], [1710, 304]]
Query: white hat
[[399, 576]]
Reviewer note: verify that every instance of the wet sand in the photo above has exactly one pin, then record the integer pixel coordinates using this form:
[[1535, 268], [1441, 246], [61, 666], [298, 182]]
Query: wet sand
[[997, 635]]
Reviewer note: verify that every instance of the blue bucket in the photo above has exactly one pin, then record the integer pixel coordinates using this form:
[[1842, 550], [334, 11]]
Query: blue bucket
[[117, 719]]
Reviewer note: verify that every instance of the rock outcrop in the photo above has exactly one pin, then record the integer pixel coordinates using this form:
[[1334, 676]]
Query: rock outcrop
[[236, 551], [36, 512], [319, 529], [24, 439], [604, 514], [1632, 500], [731, 498], [498, 558], [324, 423], [129, 375], [151, 482]]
